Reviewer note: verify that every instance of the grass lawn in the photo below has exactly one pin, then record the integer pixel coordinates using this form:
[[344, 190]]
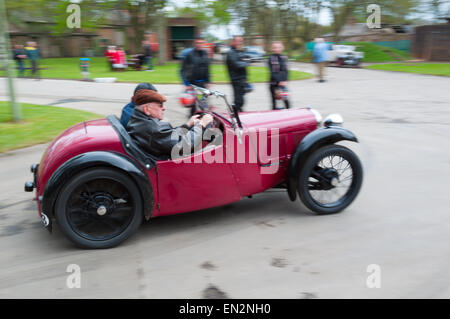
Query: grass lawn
[[422, 68], [68, 68], [378, 53], [40, 124]]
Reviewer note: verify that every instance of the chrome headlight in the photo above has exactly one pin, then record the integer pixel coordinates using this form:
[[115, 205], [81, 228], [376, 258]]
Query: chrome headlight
[[333, 120], [317, 115]]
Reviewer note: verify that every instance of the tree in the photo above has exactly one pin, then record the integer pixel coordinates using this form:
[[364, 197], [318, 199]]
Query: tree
[[392, 11], [143, 16]]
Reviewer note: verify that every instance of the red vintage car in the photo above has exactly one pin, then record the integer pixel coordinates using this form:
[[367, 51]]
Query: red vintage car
[[96, 183]]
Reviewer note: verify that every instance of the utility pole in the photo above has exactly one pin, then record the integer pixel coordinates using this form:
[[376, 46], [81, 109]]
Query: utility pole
[[5, 56]]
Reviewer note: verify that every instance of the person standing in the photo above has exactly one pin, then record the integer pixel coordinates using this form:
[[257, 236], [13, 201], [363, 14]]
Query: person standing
[[320, 57], [33, 55], [278, 66], [20, 55], [237, 63], [147, 55], [195, 68]]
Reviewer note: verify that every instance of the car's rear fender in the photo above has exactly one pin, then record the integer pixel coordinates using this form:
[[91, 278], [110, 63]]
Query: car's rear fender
[[311, 142], [97, 159]]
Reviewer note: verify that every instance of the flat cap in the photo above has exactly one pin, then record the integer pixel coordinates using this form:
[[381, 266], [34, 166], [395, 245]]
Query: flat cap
[[147, 96]]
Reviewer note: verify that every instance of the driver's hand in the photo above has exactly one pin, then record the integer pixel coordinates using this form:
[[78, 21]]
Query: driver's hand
[[206, 120], [194, 120]]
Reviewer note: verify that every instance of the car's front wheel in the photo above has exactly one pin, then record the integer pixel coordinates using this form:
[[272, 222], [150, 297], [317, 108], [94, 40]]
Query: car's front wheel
[[330, 179], [99, 208]]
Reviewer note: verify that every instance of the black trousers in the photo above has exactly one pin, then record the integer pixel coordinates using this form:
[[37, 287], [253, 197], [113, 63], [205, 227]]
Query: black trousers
[[238, 92], [273, 87]]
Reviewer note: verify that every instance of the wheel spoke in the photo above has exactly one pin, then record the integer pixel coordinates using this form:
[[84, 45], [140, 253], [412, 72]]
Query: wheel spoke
[[319, 182]]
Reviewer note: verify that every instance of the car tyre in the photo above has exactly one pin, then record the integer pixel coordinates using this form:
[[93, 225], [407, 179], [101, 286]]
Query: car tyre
[[317, 176], [96, 200]]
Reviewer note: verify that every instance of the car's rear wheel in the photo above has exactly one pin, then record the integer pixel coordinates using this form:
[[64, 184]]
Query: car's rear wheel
[[99, 208], [330, 179]]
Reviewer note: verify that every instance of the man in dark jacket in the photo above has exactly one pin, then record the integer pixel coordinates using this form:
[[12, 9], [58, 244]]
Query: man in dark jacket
[[278, 72], [158, 138], [20, 55], [128, 109], [195, 67], [147, 55], [237, 63]]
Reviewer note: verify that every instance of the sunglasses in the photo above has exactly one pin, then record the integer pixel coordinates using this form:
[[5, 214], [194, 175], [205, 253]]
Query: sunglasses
[[157, 103]]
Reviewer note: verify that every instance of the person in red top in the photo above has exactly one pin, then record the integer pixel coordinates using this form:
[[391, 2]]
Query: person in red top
[[109, 52], [122, 57], [117, 58]]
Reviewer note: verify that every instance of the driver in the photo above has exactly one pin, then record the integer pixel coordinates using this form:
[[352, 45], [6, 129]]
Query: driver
[[157, 138]]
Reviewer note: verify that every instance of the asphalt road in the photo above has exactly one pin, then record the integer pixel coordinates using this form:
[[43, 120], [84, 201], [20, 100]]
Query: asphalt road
[[267, 246]]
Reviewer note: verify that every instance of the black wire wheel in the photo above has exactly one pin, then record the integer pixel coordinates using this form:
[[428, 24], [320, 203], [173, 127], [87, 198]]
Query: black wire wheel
[[99, 208], [330, 179]]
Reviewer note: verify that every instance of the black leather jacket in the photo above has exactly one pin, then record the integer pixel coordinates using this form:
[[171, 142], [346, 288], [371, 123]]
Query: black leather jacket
[[278, 68], [195, 67], [159, 138], [237, 68]]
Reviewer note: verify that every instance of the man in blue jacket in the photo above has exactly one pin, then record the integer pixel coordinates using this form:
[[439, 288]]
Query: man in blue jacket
[[128, 109], [320, 57]]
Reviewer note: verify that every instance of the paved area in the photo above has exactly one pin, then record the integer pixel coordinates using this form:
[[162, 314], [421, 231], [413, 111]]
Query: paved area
[[267, 246]]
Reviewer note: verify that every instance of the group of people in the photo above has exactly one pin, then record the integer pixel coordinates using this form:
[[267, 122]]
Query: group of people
[[195, 70], [29, 53], [117, 58], [143, 116]]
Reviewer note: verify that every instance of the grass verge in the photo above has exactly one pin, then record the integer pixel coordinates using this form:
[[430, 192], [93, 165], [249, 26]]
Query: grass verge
[[40, 124], [377, 53]]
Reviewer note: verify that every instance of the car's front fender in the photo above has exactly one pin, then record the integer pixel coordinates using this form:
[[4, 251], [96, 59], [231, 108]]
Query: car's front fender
[[311, 142], [97, 159]]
